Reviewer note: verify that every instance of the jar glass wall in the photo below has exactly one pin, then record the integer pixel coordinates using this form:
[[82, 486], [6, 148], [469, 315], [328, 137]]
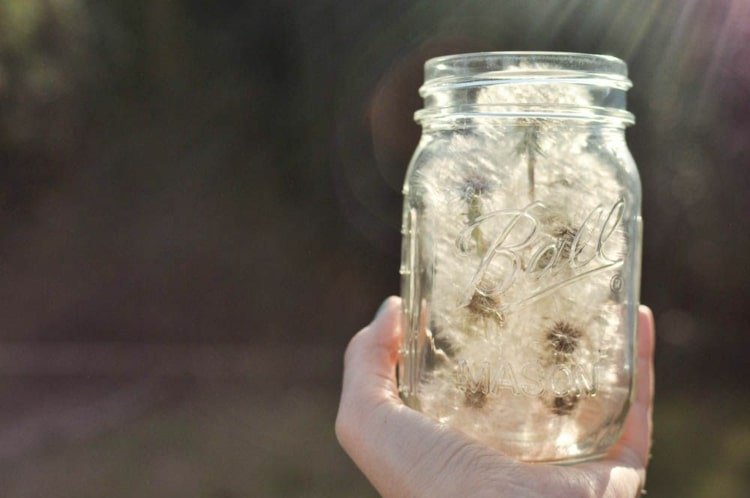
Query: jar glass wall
[[521, 253]]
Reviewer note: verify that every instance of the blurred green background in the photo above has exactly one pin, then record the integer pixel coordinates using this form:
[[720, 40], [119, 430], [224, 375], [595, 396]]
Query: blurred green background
[[200, 204]]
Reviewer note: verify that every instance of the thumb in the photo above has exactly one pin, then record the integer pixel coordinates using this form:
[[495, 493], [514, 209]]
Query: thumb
[[370, 359]]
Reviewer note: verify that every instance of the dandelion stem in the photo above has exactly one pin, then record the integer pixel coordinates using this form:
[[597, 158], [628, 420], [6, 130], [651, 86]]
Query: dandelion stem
[[531, 166], [475, 211], [530, 148]]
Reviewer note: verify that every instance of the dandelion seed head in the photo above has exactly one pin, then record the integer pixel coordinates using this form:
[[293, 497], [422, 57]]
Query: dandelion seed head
[[474, 186], [485, 307], [563, 338], [475, 399], [564, 405]]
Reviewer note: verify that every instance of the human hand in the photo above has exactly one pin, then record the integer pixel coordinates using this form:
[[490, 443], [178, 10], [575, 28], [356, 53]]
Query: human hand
[[404, 453]]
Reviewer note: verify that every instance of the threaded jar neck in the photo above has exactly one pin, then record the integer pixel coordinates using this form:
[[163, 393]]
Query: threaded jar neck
[[532, 85]]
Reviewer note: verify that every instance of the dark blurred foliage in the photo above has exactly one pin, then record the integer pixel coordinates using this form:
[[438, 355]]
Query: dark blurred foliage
[[228, 173]]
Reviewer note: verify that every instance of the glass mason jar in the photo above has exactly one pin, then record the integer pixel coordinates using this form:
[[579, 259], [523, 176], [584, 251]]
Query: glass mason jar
[[521, 253]]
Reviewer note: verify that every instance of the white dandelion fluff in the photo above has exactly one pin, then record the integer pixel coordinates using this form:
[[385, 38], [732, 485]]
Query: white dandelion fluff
[[522, 220]]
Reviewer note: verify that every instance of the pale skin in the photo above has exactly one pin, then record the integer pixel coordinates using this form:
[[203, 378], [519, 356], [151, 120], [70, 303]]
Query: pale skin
[[407, 454]]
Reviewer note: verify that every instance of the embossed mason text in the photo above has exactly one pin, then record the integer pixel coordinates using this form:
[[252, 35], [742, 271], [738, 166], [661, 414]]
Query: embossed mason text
[[530, 379]]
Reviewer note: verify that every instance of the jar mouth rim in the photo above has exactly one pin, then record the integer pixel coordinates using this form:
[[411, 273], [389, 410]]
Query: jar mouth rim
[[604, 77], [507, 63]]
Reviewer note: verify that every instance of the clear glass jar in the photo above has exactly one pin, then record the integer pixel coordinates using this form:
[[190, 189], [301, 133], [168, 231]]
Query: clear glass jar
[[521, 253]]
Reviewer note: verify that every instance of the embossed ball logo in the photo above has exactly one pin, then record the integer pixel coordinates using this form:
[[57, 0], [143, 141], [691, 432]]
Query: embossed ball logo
[[517, 232]]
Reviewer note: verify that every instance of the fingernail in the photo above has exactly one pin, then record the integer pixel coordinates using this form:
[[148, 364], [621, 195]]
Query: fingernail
[[649, 316], [382, 309]]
